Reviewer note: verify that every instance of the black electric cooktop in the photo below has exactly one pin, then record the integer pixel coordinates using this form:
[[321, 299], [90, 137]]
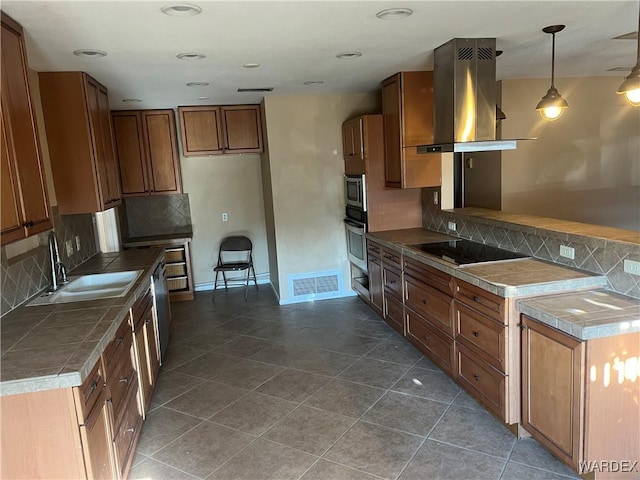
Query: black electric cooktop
[[462, 252]]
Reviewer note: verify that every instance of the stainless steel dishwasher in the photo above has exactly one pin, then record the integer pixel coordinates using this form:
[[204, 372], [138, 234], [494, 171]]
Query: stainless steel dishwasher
[[161, 306]]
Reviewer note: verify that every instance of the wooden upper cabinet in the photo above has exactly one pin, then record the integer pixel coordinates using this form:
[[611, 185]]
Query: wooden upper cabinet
[[353, 146], [85, 173], [147, 152], [407, 109], [25, 205], [215, 130]]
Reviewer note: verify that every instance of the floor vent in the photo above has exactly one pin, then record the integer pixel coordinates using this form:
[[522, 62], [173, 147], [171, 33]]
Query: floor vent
[[315, 285]]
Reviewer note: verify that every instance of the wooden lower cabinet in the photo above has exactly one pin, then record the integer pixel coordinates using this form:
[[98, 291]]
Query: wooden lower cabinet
[[96, 442], [375, 281], [430, 341], [580, 398], [146, 348]]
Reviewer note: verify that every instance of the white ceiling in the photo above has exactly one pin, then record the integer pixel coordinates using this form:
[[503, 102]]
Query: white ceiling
[[297, 41]]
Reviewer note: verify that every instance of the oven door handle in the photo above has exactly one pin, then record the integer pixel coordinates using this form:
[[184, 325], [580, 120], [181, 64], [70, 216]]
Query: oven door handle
[[353, 223]]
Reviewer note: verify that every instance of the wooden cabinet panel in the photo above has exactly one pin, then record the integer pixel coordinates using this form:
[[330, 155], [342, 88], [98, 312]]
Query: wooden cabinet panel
[[391, 281], [552, 371], [96, 442], [127, 432], [354, 148], [80, 142], [487, 303], [146, 349], [130, 150], [430, 340], [486, 337], [242, 129], [487, 384], [375, 282], [407, 109], [393, 313], [147, 152], [432, 277], [213, 130], [24, 196], [429, 302]]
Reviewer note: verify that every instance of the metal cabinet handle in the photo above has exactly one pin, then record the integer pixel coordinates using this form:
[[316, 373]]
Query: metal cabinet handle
[[476, 333], [476, 377], [124, 380], [119, 340], [93, 386], [424, 301], [475, 298], [426, 337], [131, 430]]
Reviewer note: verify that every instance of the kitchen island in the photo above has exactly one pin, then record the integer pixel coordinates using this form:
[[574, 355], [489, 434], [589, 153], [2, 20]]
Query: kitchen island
[[76, 378], [468, 320]]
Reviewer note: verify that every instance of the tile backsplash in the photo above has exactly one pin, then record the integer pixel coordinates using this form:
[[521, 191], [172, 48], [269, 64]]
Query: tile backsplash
[[155, 215], [596, 255], [23, 276]]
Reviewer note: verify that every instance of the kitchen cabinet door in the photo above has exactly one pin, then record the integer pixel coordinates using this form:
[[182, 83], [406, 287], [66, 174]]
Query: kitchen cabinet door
[[147, 152], [146, 349], [25, 205], [353, 147], [215, 130], [552, 390], [407, 110], [375, 277], [80, 141], [242, 129], [96, 442]]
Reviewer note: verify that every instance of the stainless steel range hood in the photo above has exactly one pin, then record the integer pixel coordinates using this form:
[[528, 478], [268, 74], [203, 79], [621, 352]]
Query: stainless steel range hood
[[464, 89]]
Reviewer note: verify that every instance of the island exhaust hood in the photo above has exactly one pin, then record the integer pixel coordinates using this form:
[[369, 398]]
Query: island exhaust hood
[[464, 90]]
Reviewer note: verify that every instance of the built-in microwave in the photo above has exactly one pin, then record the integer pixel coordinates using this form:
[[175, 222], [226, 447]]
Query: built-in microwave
[[355, 191]]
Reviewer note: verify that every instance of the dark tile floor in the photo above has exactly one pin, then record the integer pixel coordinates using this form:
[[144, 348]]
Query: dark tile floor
[[315, 391]]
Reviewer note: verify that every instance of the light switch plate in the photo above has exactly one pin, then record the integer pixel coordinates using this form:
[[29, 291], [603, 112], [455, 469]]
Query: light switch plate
[[567, 252], [632, 267], [452, 226], [78, 243], [69, 246]]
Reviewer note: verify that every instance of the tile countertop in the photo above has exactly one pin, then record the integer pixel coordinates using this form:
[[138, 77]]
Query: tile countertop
[[505, 278], [56, 346], [586, 315]]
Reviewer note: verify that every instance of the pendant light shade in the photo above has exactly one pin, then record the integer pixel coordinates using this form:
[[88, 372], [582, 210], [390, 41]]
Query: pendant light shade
[[552, 105], [631, 85]]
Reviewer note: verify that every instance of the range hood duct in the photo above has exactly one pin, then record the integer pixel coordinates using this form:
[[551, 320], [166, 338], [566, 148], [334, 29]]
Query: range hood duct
[[464, 89]]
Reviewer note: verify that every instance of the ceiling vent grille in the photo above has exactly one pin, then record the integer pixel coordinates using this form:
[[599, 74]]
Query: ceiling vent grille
[[243, 90], [465, 53]]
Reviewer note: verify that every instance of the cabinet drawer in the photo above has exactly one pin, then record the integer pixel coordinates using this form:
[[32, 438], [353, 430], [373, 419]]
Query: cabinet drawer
[[481, 300], [392, 258], [374, 248], [176, 269], [429, 275], [114, 350], [481, 379], [431, 341], [392, 281], [483, 335], [88, 393], [126, 432], [174, 254], [119, 383], [140, 307], [393, 314], [429, 302]]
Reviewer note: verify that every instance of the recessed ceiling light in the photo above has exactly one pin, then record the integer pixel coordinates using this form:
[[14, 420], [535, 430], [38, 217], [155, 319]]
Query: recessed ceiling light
[[204, 98], [191, 56], [251, 65], [394, 14], [90, 53], [198, 84], [181, 10], [313, 82], [131, 100], [349, 55]]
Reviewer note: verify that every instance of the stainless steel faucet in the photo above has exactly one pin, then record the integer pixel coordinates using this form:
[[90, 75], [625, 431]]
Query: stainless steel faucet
[[57, 267]]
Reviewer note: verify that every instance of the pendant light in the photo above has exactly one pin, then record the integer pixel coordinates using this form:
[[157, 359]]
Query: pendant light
[[552, 104], [631, 85]]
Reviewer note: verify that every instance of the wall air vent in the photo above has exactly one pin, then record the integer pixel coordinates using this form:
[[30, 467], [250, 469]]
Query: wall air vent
[[315, 285], [465, 53], [268, 89], [485, 53]]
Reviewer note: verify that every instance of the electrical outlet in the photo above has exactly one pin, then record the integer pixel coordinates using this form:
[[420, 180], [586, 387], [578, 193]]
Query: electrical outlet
[[452, 226], [78, 243], [435, 198], [225, 217], [567, 252], [69, 246], [631, 266]]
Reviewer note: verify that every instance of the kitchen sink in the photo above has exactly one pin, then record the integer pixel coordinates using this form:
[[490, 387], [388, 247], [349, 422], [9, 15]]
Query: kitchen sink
[[90, 287]]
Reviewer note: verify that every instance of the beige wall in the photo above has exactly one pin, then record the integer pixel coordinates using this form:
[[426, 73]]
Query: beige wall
[[306, 169], [585, 166], [217, 184]]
